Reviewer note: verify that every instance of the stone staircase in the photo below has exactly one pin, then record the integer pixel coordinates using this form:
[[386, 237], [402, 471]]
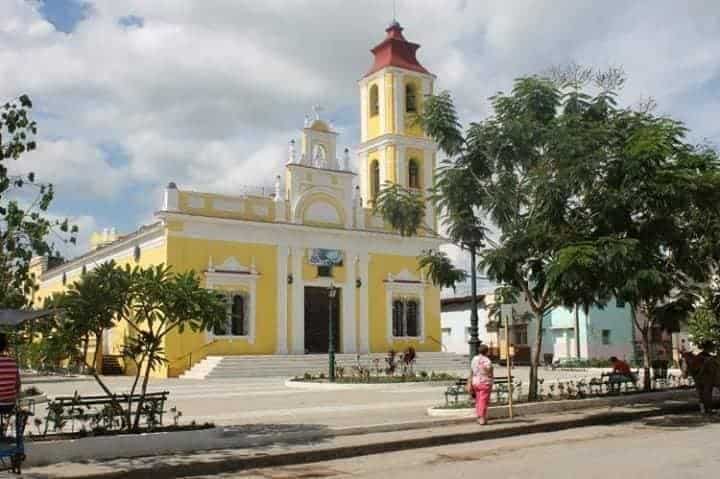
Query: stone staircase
[[111, 366], [225, 367]]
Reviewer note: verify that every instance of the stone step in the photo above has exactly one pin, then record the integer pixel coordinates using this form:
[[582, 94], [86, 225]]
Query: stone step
[[216, 367]]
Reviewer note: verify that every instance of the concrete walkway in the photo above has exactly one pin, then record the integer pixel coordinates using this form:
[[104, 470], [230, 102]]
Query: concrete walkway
[[302, 451], [267, 400]]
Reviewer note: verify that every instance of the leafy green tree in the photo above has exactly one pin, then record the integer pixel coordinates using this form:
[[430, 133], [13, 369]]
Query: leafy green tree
[[95, 303], [161, 302], [704, 327], [591, 200], [457, 193], [500, 169], [403, 209], [643, 200], [24, 226], [440, 270]]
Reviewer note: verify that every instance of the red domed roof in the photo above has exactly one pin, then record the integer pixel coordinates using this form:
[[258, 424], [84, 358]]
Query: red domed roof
[[396, 51]]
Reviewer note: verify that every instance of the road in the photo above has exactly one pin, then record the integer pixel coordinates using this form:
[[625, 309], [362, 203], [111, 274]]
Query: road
[[666, 447]]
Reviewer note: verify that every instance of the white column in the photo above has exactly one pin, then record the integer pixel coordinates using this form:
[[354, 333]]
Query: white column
[[363, 111], [399, 110], [298, 303], [428, 168], [282, 290], [364, 339], [382, 157], [401, 162], [381, 98], [347, 329]]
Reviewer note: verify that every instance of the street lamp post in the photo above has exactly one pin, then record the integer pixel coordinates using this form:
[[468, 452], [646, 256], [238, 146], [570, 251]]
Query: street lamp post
[[474, 340], [332, 291]]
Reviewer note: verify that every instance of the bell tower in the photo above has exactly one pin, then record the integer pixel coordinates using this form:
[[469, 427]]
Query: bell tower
[[394, 148]]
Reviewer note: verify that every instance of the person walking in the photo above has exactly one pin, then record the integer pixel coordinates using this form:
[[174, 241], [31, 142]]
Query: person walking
[[481, 382]]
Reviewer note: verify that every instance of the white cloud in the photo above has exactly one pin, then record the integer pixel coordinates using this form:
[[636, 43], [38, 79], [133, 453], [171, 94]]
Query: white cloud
[[207, 93], [76, 169]]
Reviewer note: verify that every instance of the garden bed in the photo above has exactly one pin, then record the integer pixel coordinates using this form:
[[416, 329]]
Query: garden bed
[[500, 410], [321, 379]]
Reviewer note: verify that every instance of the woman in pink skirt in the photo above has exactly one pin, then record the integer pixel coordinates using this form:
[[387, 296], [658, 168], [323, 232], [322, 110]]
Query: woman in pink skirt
[[482, 382]]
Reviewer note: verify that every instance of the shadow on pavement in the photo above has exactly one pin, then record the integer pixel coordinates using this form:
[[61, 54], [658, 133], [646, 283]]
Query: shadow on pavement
[[681, 421]]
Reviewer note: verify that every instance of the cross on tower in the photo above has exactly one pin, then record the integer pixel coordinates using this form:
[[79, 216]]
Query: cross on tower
[[317, 109]]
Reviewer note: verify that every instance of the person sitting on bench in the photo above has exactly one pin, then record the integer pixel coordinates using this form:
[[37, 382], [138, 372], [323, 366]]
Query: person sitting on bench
[[9, 378], [622, 368]]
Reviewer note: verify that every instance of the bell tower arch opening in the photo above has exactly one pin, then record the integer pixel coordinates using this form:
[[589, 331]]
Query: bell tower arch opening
[[394, 147]]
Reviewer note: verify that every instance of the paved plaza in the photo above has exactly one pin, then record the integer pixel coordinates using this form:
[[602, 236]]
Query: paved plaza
[[269, 401]]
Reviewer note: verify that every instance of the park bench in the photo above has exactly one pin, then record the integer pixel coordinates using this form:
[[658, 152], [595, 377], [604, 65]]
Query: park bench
[[100, 410], [614, 382], [457, 390]]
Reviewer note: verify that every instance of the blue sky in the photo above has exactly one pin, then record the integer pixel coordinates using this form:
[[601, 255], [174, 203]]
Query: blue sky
[[132, 94]]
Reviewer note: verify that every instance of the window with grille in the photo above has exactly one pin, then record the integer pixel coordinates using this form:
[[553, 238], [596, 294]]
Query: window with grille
[[406, 318], [410, 98], [413, 174], [236, 317], [606, 336]]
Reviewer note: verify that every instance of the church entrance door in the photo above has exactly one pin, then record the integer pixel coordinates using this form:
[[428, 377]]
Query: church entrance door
[[317, 310]]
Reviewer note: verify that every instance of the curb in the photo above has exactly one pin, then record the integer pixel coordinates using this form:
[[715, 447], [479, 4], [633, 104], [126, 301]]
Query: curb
[[239, 464]]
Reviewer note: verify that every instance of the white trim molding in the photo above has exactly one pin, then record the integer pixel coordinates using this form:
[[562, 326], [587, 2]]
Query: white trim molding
[[283, 252], [231, 277], [404, 285]]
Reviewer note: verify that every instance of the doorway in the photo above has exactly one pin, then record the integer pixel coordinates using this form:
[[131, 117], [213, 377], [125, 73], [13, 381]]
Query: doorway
[[317, 310]]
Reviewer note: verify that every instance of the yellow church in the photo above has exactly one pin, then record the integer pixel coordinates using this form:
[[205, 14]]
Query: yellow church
[[276, 256]]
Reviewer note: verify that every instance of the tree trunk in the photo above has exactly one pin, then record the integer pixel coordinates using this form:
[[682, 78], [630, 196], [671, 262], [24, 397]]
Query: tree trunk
[[86, 345], [535, 359], [138, 373], [645, 344], [98, 351], [645, 332], [143, 390]]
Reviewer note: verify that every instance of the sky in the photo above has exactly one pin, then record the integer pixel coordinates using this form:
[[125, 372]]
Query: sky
[[132, 94]]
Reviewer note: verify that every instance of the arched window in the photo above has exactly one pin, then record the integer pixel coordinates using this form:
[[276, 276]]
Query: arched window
[[374, 180], [374, 100], [319, 158], [410, 98], [413, 174]]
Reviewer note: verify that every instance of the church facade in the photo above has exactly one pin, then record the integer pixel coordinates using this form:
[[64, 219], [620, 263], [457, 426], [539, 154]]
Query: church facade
[[277, 256]]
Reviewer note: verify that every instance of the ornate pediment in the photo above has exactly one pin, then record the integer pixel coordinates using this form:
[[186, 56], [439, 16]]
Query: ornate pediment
[[231, 265], [404, 276]]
